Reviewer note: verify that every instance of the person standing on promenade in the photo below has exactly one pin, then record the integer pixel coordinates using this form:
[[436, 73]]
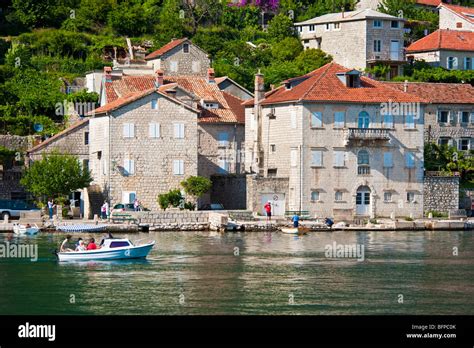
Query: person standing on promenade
[[51, 206], [268, 210]]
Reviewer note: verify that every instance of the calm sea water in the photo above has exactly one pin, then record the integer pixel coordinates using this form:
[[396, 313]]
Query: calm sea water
[[269, 273]]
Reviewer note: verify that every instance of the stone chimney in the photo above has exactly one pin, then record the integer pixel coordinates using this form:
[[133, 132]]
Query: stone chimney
[[108, 74], [259, 87], [159, 78], [211, 78]]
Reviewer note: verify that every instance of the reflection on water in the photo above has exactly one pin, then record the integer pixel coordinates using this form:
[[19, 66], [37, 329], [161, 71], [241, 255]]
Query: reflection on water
[[250, 273]]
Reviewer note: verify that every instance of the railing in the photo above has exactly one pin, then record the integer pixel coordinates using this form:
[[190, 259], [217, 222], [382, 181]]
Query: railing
[[367, 134], [363, 170]]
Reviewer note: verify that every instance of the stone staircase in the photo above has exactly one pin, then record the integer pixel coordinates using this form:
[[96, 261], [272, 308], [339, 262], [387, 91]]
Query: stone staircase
[[95, 199]]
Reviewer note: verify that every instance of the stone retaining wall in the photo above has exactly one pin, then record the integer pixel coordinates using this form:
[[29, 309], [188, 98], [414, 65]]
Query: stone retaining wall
[[441, 193], [174, 220]]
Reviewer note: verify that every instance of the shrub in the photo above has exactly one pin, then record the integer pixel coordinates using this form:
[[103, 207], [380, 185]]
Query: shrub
[[173, 198]]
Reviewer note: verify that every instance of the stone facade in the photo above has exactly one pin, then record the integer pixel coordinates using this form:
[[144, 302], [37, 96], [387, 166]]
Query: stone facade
[[141, 166], [449, 19], [351, 42], [454, 132], [220, 156], [177, 62], [304, 178], [439, 58], [441, 193], [260, 188], [73, 141]]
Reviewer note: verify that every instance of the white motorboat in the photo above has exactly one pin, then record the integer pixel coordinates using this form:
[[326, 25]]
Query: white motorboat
[[22, 229], [112, 249]]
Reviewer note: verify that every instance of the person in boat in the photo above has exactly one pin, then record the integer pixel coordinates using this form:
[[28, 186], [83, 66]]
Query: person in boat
[[91, 245], [81, 246], [329, 222], [296, 220], [28, 226], [65, 242], [268, 210]]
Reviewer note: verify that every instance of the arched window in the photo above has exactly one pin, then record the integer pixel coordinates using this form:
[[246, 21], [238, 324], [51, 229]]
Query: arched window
[[363, 120], [363, 163]]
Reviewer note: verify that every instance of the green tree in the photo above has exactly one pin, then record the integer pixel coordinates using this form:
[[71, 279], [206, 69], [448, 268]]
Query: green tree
[[311, 59], [56, 175], [287, 49], [173, 198], [172, 22], [196, 186], [280, 27]]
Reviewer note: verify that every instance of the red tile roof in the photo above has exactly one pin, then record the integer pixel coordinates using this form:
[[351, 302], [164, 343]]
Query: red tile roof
[[433, 3], [59, 135], [439, 93], [168, 47], [133, 96], [228, 111], [466, 13], [444, 39], [323, 85]]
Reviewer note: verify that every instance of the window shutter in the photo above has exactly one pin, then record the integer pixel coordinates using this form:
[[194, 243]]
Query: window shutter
[[126, 166], [455, 62], [151, 130], [132, 166], [293, 119], [339, 159], [126, 130], [176, 130], [316, 119], [131, 130], [317, 158], [293, 157], [181, 167], [387, 159], [175, 167]]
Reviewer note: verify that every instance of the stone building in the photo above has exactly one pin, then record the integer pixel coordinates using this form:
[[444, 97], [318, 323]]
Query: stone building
[[450, 49], [449, 114], [11, 170], [221, 115], [453, 17], [142, 145], [75, 141], [179, 57], [348, 146], [357, 39]]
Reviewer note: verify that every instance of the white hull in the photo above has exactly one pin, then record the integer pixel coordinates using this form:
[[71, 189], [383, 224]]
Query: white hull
[[129, 252], [21, 229], [294, 230]]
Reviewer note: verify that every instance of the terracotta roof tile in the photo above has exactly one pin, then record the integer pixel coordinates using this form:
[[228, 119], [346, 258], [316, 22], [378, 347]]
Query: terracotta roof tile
[[199, 86], [168, 47], [323, 85], [434, 3], [440, 93], [443, 39]]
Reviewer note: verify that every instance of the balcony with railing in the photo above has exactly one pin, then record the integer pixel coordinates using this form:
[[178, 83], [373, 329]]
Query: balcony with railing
[[366, 134]]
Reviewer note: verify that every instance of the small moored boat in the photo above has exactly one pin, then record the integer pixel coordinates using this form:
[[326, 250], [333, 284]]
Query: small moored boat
[[22, 229], [295, 230], [81, 228], [112, 249]]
